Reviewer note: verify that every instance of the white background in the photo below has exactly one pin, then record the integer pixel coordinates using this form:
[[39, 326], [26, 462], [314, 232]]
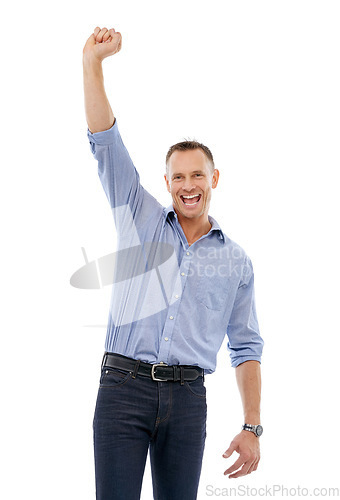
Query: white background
[[258, 82]]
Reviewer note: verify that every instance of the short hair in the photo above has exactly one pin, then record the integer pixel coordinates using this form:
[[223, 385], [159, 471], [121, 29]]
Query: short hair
[[188, 145]]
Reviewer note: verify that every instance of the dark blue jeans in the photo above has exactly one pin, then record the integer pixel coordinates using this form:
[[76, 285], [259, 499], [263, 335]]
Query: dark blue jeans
[[134, 415]]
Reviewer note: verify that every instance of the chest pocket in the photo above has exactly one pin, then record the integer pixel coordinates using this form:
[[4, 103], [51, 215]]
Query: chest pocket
[[212, 292]]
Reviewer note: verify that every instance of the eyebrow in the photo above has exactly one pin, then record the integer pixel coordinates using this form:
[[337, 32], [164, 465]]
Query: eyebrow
[[194, 172]]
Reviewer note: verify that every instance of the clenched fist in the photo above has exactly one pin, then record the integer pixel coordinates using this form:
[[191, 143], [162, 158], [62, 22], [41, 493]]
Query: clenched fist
[[102, 43]]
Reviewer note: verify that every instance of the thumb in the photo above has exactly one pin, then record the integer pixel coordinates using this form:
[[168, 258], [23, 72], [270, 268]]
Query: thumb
[[90, 42], [229, 451]]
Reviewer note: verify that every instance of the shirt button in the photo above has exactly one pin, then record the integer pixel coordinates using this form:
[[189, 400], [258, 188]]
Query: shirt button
[[188, 253], [176, 296], [166, 338], [171, 317], [182, 274]]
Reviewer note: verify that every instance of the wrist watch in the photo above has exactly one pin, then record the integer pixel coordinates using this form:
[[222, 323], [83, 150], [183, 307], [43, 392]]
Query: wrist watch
[[256, 429]]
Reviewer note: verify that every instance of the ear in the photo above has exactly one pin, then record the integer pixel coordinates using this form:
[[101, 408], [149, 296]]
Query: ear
[[215, 177], [167, 182]]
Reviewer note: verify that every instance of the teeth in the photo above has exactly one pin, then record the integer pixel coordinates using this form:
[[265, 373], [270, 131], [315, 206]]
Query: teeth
[[190, 197]]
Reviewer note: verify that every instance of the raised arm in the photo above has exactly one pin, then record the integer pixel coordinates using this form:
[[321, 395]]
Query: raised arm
[[101, 44], [133, 207]]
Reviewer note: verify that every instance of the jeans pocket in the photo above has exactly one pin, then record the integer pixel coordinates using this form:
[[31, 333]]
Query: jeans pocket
[[196, 387], [113, 377]]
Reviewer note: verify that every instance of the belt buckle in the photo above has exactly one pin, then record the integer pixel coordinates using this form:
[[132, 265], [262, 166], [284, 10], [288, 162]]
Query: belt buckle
[[153, 372]]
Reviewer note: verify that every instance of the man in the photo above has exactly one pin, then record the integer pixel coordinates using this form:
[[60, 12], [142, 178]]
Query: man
[[180, 285]]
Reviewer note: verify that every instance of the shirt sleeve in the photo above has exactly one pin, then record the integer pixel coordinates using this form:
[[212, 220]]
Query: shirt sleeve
[[245, 342], [129, 201]]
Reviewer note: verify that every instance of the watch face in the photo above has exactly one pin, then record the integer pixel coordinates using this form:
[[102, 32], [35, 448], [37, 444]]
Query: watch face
[[259, 430]]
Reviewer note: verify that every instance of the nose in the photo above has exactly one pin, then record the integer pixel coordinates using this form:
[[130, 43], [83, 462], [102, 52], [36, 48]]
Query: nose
[[189, 184]]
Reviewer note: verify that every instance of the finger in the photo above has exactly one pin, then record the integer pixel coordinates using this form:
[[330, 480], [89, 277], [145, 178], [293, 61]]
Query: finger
[[120, 41], [235, 466], [246, 469], [116, 40], [256, 465], [96, 31], [252, 467], [107, 35], [99, 37]]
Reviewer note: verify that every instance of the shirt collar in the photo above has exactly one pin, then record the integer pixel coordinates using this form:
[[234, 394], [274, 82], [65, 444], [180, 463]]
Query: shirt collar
[[214, 224]]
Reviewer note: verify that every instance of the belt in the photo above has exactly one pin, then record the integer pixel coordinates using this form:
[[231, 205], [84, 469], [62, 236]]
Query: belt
[[160, 372]]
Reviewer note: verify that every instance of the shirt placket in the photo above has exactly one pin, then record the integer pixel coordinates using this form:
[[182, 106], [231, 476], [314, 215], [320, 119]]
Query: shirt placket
[[175, 302]]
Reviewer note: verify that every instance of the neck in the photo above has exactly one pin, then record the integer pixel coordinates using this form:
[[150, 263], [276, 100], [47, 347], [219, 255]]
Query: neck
[[195, 228]]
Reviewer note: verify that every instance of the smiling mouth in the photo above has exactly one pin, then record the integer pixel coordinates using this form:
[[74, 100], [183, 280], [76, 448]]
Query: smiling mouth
[[191, 200]]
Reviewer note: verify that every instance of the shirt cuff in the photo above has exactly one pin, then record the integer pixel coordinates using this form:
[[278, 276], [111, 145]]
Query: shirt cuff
[[238, 361], [105, 137]]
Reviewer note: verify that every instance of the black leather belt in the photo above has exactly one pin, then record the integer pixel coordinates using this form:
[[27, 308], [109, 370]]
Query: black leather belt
[[160, 372]]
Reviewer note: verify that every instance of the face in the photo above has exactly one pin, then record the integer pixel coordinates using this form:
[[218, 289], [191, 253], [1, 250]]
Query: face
[[190, 181]]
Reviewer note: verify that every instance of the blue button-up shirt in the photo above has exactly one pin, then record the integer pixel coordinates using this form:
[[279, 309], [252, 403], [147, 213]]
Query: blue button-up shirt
[[171, 302]]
